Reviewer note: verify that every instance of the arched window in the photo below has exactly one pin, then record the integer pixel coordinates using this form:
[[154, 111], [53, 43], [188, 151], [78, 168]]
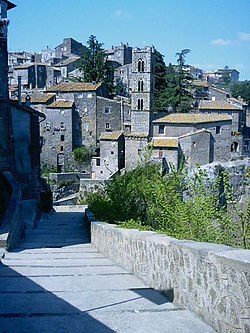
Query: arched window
[[140, 104], [140, 85], [234, 147], [141, 65]]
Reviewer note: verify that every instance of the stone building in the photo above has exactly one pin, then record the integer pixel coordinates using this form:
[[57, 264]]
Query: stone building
[[142, 101], [238, 114], [68, 48], [121, 54], [27, 147], [67, 66], [195, 138], [36, 75], [112, 152], [60, 134], [6, 143], [98, 113]]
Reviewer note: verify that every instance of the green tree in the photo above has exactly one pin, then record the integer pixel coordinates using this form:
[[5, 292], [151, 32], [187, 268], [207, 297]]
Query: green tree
[[160, 81], [81, 154], [92, 62], [172, 84], [241, 89]]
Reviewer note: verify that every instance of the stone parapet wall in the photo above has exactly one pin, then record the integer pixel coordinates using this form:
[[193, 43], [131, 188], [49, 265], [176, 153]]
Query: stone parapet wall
[[211, 280]]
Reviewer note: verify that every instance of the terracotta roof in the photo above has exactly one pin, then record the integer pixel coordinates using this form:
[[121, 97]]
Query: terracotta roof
[[60, 105], [199, 83], [192, 118], [216, 105], [41, 99], [110, 135], [165, 142], [74, 87]]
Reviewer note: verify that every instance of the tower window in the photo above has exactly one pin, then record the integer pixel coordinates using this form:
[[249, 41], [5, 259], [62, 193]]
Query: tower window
[[140, 104], [141, 66], [107, 110], [140, 85], [107, 126], [62, 137]]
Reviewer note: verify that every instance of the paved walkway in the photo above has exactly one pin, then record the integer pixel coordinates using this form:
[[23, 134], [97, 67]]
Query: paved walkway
[[56, 281]]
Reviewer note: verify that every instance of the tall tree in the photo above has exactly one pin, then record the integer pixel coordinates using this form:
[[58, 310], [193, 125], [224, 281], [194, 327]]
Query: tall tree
[[160, 81], [172, 84], [92, 62]]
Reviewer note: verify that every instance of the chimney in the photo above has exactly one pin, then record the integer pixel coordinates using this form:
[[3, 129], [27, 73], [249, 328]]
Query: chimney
[[19, 90]]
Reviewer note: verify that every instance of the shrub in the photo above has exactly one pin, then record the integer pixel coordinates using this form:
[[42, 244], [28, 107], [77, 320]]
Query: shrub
[[81, 154]]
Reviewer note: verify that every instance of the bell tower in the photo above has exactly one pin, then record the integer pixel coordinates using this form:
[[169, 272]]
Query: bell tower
[[142, 96], [5, 115]]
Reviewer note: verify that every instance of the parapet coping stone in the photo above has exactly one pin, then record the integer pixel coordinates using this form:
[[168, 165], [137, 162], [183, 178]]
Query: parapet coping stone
[[233, 256]]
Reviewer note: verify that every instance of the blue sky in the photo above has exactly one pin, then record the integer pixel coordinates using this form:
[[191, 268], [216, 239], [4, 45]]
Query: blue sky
[[216, 31]]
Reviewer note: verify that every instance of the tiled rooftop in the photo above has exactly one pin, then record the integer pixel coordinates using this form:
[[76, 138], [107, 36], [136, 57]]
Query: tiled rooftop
[[110, 135], [74, 87], [192, 118], [60, 105], [216, 105], [41, 99], [165, 142]]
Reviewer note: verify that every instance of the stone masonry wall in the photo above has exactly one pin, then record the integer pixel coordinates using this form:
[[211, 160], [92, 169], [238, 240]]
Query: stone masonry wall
[[211, 280]]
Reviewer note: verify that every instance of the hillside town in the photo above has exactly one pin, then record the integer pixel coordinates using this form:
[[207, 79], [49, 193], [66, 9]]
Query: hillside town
[[124, 191], [58, 123]]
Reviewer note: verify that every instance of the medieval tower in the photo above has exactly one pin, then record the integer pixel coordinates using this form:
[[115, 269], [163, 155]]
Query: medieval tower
[[142, 86], [142, 103]]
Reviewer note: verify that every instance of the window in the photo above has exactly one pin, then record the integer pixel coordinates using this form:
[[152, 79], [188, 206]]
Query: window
[[218, 130], [107, 126], [161, 129], [141, 66], [62, 137], [140, 104], [61, 148], [107, 110], [98, 163], [89, 96], [140, 85], [63, 127], [112, 153]]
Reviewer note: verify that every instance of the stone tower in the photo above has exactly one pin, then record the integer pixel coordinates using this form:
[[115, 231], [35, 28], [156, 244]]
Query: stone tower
[[142, 96], [5, 115]]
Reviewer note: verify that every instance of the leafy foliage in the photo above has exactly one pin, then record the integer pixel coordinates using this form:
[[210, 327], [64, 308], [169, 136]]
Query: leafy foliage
[[172, 84], [143, 198], [241, 89], [81, 154], [93, 64]]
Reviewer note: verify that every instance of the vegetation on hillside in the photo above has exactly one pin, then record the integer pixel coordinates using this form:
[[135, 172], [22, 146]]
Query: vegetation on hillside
[[143, 198], [242, 89]]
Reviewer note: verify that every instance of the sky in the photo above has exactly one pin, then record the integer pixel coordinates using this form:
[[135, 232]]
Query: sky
[[216, 31]]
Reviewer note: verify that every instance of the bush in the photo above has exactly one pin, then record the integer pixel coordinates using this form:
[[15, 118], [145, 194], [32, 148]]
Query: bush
[[145, 199], [81, 154]]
